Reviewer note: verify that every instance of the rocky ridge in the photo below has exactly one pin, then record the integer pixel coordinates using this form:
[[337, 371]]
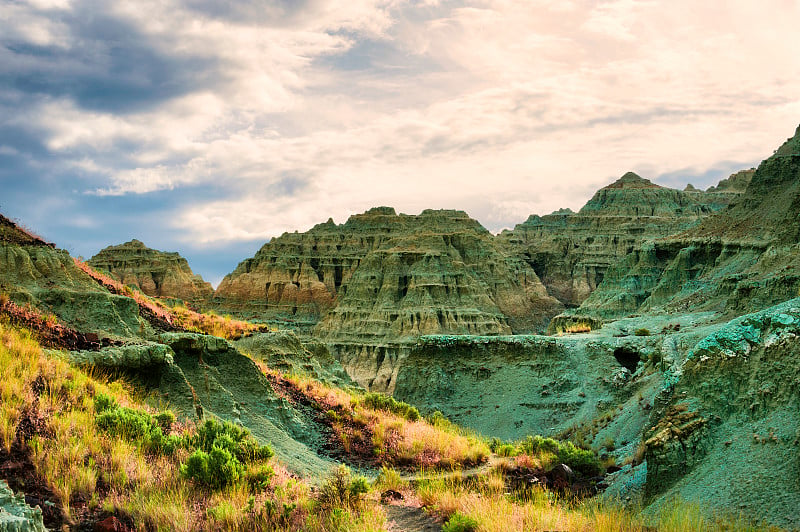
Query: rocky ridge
[[156, 273], [380, 280], [382, 261], [571, 252], [743, 258]]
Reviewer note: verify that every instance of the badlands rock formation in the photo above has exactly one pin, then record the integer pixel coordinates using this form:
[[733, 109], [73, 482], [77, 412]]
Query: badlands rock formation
[[571, 252], [156, 273], [35, 273], [744, 258], [381, 280], [389, 275]]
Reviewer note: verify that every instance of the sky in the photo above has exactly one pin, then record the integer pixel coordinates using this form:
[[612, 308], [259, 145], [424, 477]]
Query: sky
[[208, 127]]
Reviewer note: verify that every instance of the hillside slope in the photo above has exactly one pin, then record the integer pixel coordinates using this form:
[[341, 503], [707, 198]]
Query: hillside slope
[[571, 252], [744, 258]]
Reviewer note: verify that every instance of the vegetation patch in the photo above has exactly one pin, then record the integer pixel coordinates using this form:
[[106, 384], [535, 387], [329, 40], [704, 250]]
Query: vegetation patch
[[379, 430], [93, 451]]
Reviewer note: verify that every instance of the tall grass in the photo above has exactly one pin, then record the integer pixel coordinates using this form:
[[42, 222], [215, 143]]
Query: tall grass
[[89, 467], [177, 316], [399, 435], [485, 500]]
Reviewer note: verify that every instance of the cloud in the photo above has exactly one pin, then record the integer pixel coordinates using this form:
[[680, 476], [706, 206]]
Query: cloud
[[219, 124]]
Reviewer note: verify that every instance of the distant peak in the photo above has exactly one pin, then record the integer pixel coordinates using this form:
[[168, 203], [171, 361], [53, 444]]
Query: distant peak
[[631, 180], [388, 211], [791, 147]]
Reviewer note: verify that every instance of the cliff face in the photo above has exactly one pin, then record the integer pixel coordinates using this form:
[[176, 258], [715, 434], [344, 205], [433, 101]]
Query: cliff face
[[571, 252], [380, 280], [744, 258], [386, 276], [728, 417], [156, 273]]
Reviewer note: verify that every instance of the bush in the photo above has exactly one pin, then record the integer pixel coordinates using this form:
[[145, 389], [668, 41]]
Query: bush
[[103, 402], [165, 420], [233, 438], [222, 450], [506, 449], [642, 332], [135, 425], [126, 423], [535, 445], [460, 523], [583, 461], [259, 478], [216, 469], [342, 491], [378, 401]]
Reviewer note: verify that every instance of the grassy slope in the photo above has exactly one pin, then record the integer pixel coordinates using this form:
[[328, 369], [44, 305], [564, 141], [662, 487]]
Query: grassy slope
[[48, 414]]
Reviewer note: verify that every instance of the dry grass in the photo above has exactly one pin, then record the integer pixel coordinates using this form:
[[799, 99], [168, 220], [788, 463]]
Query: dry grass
[[484, 499], [395, 439], [90, 468], [177, 316]]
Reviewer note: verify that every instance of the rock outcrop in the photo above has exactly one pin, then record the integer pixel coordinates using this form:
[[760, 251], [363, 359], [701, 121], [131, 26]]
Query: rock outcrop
[[744, 258], [156, 273], [16, 515], [571, 252], [381, 280], [390, 276], [725, 432]]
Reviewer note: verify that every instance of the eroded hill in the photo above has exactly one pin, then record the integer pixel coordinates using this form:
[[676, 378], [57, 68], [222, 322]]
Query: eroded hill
[[156, 273]]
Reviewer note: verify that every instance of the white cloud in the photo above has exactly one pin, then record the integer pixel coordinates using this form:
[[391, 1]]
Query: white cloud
[[500, 107]]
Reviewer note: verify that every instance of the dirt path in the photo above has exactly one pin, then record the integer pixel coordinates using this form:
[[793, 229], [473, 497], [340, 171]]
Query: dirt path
[[409, 519], [458, 473]]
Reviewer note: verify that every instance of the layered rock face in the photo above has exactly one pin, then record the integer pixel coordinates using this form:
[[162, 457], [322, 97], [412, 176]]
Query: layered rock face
[[571, 252], [743, 258], [156, 273], [385, 279], [391, 276]]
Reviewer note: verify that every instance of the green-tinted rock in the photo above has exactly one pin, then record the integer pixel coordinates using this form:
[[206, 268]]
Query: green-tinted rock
[[35, 273], [221, 382], [156, 273], [390, 275], [16, 515], [128, 357], [571, 252], [726, 432], [744, 258], [283, 350]]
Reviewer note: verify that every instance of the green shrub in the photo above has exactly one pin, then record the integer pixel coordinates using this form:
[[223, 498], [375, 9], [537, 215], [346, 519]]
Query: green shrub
[[216, 469], [259, 478], [221, 452], [583, 461], [459, 522], [233, 438], [103, 402], [126, 423], [535, 445], [165, 420], [135, 425], [506, 449], [378, 401], [642, 332], [340, 491]]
